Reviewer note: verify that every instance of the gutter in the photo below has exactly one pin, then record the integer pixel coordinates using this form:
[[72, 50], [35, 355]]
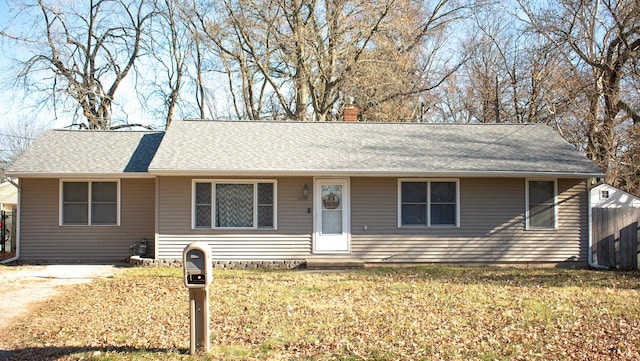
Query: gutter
[[590, 233], [17, 222], [23, 174], [366, 173]]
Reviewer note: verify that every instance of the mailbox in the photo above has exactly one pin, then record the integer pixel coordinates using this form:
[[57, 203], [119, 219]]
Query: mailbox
[[197, 265], [198, 274]]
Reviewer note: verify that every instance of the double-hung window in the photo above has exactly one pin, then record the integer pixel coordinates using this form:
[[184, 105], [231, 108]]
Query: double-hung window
[[428, 203], [90, 203], [541, 204], [234, 204]]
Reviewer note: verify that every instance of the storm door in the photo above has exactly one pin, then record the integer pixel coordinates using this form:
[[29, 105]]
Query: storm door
[[331, 215]]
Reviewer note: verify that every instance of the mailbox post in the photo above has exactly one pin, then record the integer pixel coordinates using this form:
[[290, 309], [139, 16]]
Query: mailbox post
[[198, 275]]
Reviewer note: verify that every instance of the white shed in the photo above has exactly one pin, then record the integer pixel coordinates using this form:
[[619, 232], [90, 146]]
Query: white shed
[[606, 196]]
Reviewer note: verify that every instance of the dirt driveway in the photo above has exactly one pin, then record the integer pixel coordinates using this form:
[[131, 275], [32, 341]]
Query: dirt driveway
[[20, 286]]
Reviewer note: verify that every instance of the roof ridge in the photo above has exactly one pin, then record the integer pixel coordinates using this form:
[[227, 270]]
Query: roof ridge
[[266, 121], [105, 131]]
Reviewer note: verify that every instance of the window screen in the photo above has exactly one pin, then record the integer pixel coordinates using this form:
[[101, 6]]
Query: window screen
[[75, 203], [443, 203], [104, 203], [541, 204], [265, 205], [414, 203], [203, 204], [89, 203], [428, 203]]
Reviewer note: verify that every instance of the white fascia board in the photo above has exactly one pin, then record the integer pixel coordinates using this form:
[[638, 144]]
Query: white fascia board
[[79, 175], [373, 173]]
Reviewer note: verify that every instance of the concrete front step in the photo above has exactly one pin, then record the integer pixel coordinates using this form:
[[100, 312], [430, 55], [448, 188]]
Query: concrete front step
[[338, 262]]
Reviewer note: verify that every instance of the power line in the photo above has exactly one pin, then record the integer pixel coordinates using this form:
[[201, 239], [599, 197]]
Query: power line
[[16, 136]]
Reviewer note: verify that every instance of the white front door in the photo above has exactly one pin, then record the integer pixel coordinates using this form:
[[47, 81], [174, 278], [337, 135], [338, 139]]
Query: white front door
[[331, 215]]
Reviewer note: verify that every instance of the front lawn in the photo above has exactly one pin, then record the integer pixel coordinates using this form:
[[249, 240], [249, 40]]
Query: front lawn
[[421, 313]]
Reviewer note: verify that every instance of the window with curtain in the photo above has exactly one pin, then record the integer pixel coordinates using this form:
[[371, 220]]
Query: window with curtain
[[234, 204]]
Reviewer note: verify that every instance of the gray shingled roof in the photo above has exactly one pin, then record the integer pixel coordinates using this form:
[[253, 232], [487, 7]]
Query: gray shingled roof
[[83, 153], [311, 148]]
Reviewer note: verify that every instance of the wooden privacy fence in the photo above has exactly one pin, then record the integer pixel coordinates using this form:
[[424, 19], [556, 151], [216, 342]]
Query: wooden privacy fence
[[615, 237]]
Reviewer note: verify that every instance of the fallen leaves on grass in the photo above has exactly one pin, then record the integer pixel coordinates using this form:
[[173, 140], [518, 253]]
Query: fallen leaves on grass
[[383, 314]]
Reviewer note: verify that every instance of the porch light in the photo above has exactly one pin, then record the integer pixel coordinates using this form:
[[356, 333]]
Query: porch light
[[305, 193]]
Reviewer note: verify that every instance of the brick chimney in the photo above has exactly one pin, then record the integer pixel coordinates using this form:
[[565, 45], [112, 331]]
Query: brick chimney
[[350, 111]]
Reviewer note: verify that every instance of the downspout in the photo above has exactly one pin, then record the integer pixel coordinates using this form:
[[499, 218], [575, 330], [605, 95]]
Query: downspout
[[17, 221], [157, 207], [590, 232]]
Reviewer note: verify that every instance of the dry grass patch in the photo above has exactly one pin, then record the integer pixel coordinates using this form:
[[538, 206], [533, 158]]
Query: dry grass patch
[[423, 313]]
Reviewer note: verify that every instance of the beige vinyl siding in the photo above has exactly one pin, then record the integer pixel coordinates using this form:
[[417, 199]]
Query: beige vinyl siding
[[291, 239], [491, 225], [42, 238]]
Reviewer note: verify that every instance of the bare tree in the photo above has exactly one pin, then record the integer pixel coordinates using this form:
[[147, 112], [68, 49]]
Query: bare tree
[[16, 136], [629, 160], [311, 55], [173, 81], [601, 39], [415, 52], [193, 18], [228, 26], [512, 74], [82, 52], [169, 44]]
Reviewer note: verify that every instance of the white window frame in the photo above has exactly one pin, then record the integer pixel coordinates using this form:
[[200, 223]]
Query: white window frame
[[214, 210], [428, 181], [89, 201], [555, 203]]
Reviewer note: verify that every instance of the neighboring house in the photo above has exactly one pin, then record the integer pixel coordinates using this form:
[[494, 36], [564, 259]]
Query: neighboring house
[[606, 196], [379, 192], [8, 196], [8, 204]]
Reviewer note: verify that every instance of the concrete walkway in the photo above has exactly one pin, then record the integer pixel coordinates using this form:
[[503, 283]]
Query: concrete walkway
[[20, 286]]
